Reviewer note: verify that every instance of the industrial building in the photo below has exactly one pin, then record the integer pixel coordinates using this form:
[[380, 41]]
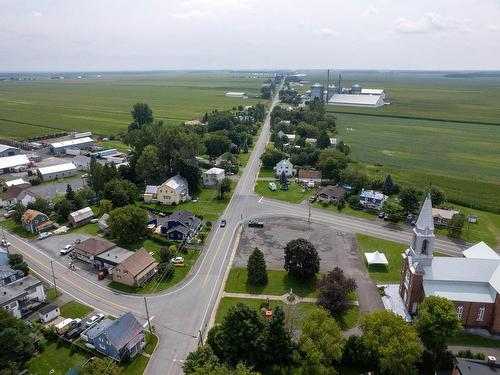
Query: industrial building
[[357, 100], [242, 95], [8, 151], [59, 148], [57, 171], [16, 163]]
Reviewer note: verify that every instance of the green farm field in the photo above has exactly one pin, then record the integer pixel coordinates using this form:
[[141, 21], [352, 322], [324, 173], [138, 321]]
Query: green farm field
[[102, 105]]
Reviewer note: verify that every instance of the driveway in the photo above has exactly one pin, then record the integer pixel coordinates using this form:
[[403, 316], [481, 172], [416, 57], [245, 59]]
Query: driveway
[[50, 190], [335, 248]]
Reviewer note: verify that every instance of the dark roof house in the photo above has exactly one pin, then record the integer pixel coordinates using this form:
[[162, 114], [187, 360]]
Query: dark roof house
[[465, 366], [91, 247], [331, 193], [181, 225]]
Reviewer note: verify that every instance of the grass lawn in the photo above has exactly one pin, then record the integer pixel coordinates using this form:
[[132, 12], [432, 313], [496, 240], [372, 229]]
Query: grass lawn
[[295, 194], [120, 147], [151, 341], [60, 359], [156, 285], [90, 229], [265, 172], [136, 366], [17, 229], [50, 293], [279, 283], [350, 318], [392, 251], [74, 309], [469, 339], [347, 211]]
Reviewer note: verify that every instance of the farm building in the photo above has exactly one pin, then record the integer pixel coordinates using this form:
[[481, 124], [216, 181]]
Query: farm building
[[81, 217], [9, 163], [242, 95], [357, 100], [17, 182], [57, 171], [213, 177], [59, 148], [9, 151], [81, 162]]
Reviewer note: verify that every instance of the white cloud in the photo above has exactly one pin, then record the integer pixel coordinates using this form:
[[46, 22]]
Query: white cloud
[[36, 14], [493, 28], [326, 32], [192, 14], [370, 11], [428, 23], [208, 8]]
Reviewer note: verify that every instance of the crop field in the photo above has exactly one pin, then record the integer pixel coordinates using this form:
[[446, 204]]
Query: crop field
[[102, 105]]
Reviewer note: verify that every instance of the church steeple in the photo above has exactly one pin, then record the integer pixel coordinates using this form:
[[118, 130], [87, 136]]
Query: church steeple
[[423, 234]]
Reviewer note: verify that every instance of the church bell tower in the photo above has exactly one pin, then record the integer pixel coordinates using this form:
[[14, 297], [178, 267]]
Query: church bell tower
[[423, 235]]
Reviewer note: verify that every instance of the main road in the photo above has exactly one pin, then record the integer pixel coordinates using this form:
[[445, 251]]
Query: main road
[[181, 315]]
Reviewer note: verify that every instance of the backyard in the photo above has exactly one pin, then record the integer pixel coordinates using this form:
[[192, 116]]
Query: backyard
[[295, 194], [74, 309]]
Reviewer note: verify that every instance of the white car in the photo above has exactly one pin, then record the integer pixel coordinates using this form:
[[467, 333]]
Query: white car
[[272, 186], [67, 249], [8, 214], [44, 235], [94, 319], [4, 243], [177, 260]]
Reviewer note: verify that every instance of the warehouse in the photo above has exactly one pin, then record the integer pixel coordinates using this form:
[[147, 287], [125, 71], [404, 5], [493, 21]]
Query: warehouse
[[243, 95], [59, 148], [9, 151], [57, 171], [353, 100], [8, 163]]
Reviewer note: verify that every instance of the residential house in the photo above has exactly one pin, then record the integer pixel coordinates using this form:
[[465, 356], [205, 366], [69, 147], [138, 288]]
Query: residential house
[[181, 225], [150, 193], [441, 217], [9, 275], [57, 171], [309, 177], [80, 217], [88, 249], [16, 194], [8, 151], [331, 193], [118, 339], [103, 223], [173, 191], [372, 199], [48, 313], [311, 141], [213, 177], [333, 142], [284, 166], [21, 295], [36, 222], [136, 270], [289, 137], [467, 366], [112, 257], [81, 162], [17, 163]]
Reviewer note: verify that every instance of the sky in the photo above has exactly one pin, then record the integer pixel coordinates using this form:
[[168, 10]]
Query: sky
[[113, 35]]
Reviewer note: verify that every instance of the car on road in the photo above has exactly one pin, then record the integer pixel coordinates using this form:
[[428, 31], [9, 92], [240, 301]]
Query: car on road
[[4, 243], [102, 274], [8, 214], [178, 261], [67, 249], [272, 186], [44, 235], [381, 215], [255, 224], [94, 319], [223, 223]]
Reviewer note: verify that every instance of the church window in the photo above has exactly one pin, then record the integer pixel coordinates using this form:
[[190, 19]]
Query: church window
[[480, 314], [407, 278], [425, 245], [460, 311]]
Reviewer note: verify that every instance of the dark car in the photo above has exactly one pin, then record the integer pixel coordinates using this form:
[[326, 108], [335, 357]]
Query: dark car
[[255, 224], [381, 215], [73, 333]]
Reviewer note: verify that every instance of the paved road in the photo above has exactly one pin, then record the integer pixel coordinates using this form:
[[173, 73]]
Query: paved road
[[181, 313]]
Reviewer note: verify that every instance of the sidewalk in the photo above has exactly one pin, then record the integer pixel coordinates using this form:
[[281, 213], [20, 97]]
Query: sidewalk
[[283, 298]]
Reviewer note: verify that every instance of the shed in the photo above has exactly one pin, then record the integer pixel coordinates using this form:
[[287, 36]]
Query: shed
[[81, 217], [376, 258], [48, 313], [103, 223]]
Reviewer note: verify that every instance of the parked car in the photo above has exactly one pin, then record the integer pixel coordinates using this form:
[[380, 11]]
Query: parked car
[[77, 241], [272, 186], [67, 249], [44, 235], [4, 243], [312, 199], [162, 214], [94, 319], [413, 222], [75, 323], [8, 214], [223, 223], [74, 333], [381, 215], [255, 224], [178, 261], [102, 274], [11, 207], [386, 217]]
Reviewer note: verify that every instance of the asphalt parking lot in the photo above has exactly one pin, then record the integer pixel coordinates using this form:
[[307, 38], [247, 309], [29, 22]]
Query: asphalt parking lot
[[335, 248]]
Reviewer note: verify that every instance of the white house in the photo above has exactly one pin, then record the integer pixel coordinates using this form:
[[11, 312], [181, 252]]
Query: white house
[[213, 177], [284, 166], [48, 313], [372, 199], [173, 191], [8, 163], [21, 295], [57, 171], [441, 216]]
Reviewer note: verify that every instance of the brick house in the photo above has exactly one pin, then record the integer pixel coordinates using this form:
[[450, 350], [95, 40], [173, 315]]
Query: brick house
[[472, 282]]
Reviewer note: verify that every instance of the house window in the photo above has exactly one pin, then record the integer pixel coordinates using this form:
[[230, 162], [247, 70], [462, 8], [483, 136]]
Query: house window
[[407, 278], [460, 312], [425, 244], [480, 314]]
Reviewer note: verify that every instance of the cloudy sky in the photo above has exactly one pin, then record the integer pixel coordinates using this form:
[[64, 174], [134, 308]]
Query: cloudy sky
[[70, 35]]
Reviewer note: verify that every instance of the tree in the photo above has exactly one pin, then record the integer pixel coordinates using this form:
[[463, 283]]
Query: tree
[[321, 343], [80, 200], [437, 196], [120, 192], [391, 341], [103, 366], [436, 323], [165, 270], [16, 345], [245, 146], [456, 225], [41, 205], [334, 288], [388, 185], [142, 114], [271, 157], [16, 261], [190, 171], [167, 253], [256, 268], [128, 224], [63, 208], [301, 259], [323, 140], [393, 211], [224, 187], [284, 180], [201, 357], [409, 199], [70, 194], [278, 340], [210, 369], [18, 213], [105, 206], [217, 144], [148, 166], [331, 163], [243, 336]]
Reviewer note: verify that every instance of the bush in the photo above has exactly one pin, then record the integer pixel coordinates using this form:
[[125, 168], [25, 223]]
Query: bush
[[353, 201], [468, 354], [166, 254], [36, 181], [158, 239]]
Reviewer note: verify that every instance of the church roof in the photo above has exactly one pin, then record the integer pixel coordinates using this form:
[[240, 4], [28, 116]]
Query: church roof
[[425, 220], [481, 251]]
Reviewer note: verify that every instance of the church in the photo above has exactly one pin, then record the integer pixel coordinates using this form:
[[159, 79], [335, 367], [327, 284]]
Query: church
[[472, 282]]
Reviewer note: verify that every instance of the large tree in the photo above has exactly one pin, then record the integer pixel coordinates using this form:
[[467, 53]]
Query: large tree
[[392, 341], [301, 259], [436, 323], [70, 194], [142, 114], [438, 197], [334, 288], [40, 204], [128, 224], [331, 163], [278, 340], [16, 346], [323, 140], [105, 206], [321, 343], [224, 187], [16, 262], [393, 211], [120, 192], [388, 185], [202, 357], [409, 199], [217, 144], [271, 157], [456, 225], [63, 208], [148, 167], [256, 268]]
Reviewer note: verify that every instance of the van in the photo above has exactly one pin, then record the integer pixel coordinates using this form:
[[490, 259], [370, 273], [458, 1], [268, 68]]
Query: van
[[64, 326]]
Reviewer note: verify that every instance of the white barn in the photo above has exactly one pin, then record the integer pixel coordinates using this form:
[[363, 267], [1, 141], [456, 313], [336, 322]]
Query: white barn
[[7, 163], [354, 100], [57, 171], [59, 148], [242, 95]]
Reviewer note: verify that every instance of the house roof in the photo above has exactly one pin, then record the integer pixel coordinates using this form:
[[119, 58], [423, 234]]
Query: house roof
[[11, 193], [425, 221], [17, 288], [151, 189], [353, 99], [29, 215], [115, 255], [283, 162], [82, 214], [13, 161], [99, 328], [6, 147], [57, 168], [476, 367], [181, 216], [445, 214], [309, 174], [71, 142], [94, 246], [372, 91], [481, 251], [214, 170], [48, 308], [6, 271], [123, 330], [179, 228], [81, 159], [460, 291], [16, 182], [177, 183], [372, 194], [336, 191], [137, 262]]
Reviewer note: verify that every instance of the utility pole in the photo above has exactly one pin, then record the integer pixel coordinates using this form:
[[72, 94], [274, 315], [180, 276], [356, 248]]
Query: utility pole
[[53, 276], [200, 338], [147, 314], [309, 216]]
